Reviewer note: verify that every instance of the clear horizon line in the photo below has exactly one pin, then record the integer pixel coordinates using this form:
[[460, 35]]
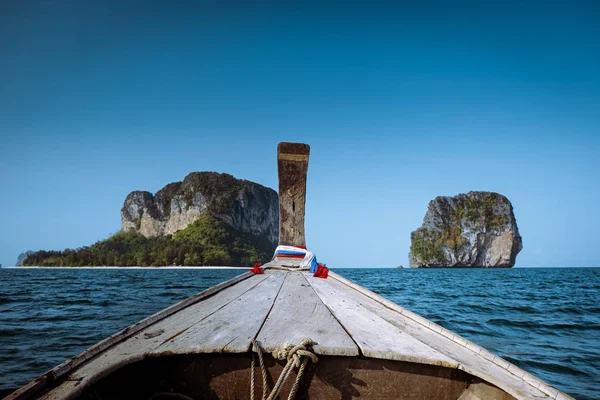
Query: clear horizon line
[[248, 268]]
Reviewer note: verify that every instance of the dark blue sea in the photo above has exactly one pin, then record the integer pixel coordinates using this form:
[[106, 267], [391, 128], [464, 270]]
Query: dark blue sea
[[545, 320]]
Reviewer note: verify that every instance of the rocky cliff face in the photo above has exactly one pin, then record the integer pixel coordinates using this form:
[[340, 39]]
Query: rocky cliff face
[[477, 229], [246, 206]]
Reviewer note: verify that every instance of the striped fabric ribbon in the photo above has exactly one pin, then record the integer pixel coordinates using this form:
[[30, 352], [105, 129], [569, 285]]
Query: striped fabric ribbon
[[309, 260]]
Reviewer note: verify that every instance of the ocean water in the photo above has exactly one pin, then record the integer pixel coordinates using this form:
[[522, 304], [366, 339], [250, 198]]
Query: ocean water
[[546, 321]]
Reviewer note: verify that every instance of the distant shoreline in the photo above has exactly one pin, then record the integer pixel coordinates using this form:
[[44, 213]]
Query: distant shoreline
[[115, 267], [247, 268]]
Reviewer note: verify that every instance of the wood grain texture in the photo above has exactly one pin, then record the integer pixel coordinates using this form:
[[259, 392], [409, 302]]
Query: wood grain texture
[[283, 262], [292, 166], [299, 313], [67, 390], [375, 336], [232, 328]]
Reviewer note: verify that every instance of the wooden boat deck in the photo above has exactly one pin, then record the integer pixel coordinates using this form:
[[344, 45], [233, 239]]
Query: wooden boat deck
[[281, 306], [351, 326]]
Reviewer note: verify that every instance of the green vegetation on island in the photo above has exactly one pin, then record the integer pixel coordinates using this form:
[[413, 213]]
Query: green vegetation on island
[[207, 241]]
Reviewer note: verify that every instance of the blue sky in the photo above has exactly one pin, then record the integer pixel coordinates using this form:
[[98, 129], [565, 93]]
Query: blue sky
[[399, 103]]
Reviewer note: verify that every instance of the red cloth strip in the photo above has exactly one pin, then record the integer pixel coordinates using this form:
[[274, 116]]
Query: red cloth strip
[[257, 269], [322, 272]]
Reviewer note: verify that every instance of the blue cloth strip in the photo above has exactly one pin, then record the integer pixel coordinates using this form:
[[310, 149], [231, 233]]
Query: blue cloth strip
[[290, 253], [314, 265]]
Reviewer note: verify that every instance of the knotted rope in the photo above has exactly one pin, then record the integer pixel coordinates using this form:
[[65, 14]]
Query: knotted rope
[[263, 370], [297, 356]]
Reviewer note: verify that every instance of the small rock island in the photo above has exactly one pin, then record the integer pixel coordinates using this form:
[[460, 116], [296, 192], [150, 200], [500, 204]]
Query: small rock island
[[473, 230]]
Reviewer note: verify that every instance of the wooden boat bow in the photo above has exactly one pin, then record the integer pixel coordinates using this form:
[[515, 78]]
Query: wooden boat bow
[[367, 345]]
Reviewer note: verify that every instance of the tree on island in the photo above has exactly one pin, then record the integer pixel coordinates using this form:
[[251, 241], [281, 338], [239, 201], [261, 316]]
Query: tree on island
[[22, 257]]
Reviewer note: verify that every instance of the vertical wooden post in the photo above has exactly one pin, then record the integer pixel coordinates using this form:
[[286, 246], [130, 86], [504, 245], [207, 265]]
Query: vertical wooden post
[[292, 165]]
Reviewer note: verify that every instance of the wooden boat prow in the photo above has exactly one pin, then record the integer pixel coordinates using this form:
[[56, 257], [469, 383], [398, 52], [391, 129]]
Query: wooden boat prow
[[368, 346]]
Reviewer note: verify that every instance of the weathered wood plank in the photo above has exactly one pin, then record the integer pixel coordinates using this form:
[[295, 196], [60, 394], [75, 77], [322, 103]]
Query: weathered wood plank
[[138, 346], [299, 313], [468, 358], [161, 332], [374, 336], [67, 390], [292, 165], [232, 328], [283, 262]]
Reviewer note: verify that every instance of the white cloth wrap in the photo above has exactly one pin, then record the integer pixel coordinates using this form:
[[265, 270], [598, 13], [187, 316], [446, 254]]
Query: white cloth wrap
[[307, 261]]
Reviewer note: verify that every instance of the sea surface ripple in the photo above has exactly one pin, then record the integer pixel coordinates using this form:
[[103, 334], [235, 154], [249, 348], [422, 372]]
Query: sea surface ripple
[[544, 320]]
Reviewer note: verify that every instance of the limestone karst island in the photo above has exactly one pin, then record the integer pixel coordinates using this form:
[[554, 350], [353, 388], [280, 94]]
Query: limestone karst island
[[208, 219], [476, 230]]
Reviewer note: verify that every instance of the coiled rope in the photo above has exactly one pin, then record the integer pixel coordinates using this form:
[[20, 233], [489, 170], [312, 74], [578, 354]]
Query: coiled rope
[[297, 356]]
